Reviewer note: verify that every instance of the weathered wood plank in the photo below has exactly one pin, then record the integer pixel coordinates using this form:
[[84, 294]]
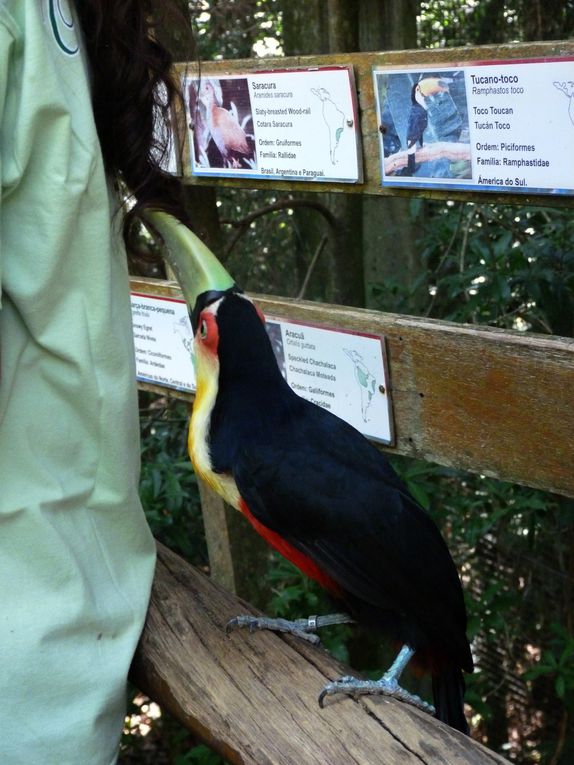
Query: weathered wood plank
[[253, 698], [491, 401], [362, 64]]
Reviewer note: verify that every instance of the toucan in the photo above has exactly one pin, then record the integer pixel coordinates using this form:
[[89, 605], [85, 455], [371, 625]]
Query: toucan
[[317, 490], [416, 125], [417, 121]]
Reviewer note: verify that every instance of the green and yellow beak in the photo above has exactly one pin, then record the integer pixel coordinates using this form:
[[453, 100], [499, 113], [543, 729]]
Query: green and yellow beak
[[194, 265]]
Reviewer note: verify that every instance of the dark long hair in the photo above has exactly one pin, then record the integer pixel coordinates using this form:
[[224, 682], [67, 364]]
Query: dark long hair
[[133, 87]]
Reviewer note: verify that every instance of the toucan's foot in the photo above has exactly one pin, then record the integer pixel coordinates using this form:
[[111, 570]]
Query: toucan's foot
[[301, 628], [386, 686]]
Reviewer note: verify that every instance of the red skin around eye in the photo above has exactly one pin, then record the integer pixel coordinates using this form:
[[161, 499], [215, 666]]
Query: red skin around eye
[[207, 332]]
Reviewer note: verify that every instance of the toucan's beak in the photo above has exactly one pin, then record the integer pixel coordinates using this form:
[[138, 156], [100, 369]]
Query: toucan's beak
[[195, 267]]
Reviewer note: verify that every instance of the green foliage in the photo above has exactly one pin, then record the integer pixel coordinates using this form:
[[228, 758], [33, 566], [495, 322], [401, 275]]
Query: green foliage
[[508, 267], [152, 740], [492, 264], [448, 23], [256, 251], [219, 35], [557, 662], [199, 755], [168, 486]]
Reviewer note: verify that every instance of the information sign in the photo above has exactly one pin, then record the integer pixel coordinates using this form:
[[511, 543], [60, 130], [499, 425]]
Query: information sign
[[163, 342], [343, 372], [299, 124], [487, 126]]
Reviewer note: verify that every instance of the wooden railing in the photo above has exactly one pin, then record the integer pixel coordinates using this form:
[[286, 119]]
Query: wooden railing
[[491, 401]]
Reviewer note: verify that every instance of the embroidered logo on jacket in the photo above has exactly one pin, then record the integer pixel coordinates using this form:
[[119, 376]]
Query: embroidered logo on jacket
[[62, 24]]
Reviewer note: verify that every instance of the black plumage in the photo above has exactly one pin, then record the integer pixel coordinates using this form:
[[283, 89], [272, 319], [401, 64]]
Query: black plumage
[[416, 125]]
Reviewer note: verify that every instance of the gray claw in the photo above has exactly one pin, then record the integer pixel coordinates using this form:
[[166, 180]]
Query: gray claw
[[252, 623], [355, 687], [255, 623]]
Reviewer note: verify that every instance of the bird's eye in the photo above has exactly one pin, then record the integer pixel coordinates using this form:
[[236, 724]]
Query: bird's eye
[[203, 330]]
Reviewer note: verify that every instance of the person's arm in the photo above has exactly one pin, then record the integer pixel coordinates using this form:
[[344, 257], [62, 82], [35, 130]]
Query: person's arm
[[6, 47]]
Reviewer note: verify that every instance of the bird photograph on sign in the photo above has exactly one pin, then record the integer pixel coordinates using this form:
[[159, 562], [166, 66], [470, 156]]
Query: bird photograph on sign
[[221, 123], [423, 124]]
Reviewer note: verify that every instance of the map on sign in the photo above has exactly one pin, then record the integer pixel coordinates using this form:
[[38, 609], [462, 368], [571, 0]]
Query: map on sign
[[299, 124], [343, 372], [489, 126]]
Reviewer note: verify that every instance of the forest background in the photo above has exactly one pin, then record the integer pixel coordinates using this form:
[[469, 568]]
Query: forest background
[[501, 265]]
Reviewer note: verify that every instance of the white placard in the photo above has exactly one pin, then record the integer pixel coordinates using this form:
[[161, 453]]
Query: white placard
[[299, 124], [489, 126], [344, 372], [163, 342]]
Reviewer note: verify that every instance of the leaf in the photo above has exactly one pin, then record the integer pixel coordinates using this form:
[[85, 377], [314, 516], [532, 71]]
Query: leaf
[[502, 244], [419, 494], [157, 480]]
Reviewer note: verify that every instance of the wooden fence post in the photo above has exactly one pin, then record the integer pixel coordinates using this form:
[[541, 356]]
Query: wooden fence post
[[238, 557]]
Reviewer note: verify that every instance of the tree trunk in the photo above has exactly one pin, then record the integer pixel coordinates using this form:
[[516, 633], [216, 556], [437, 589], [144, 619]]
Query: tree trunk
[[347, 282], [390, 230], [323, 27], [305, 28]]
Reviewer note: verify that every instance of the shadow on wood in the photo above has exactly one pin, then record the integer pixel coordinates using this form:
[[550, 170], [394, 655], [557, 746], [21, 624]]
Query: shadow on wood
[[253, 698]]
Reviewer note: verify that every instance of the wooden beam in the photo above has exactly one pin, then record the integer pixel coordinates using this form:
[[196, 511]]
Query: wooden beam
[[487, 400], [362, 64], [253, 698]]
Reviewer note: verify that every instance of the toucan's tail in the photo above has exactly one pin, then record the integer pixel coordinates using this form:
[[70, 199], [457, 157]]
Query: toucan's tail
[[448, 693]]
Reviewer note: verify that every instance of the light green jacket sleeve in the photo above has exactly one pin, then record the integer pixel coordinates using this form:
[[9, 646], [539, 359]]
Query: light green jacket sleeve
[[6, 44], [76, 554]]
